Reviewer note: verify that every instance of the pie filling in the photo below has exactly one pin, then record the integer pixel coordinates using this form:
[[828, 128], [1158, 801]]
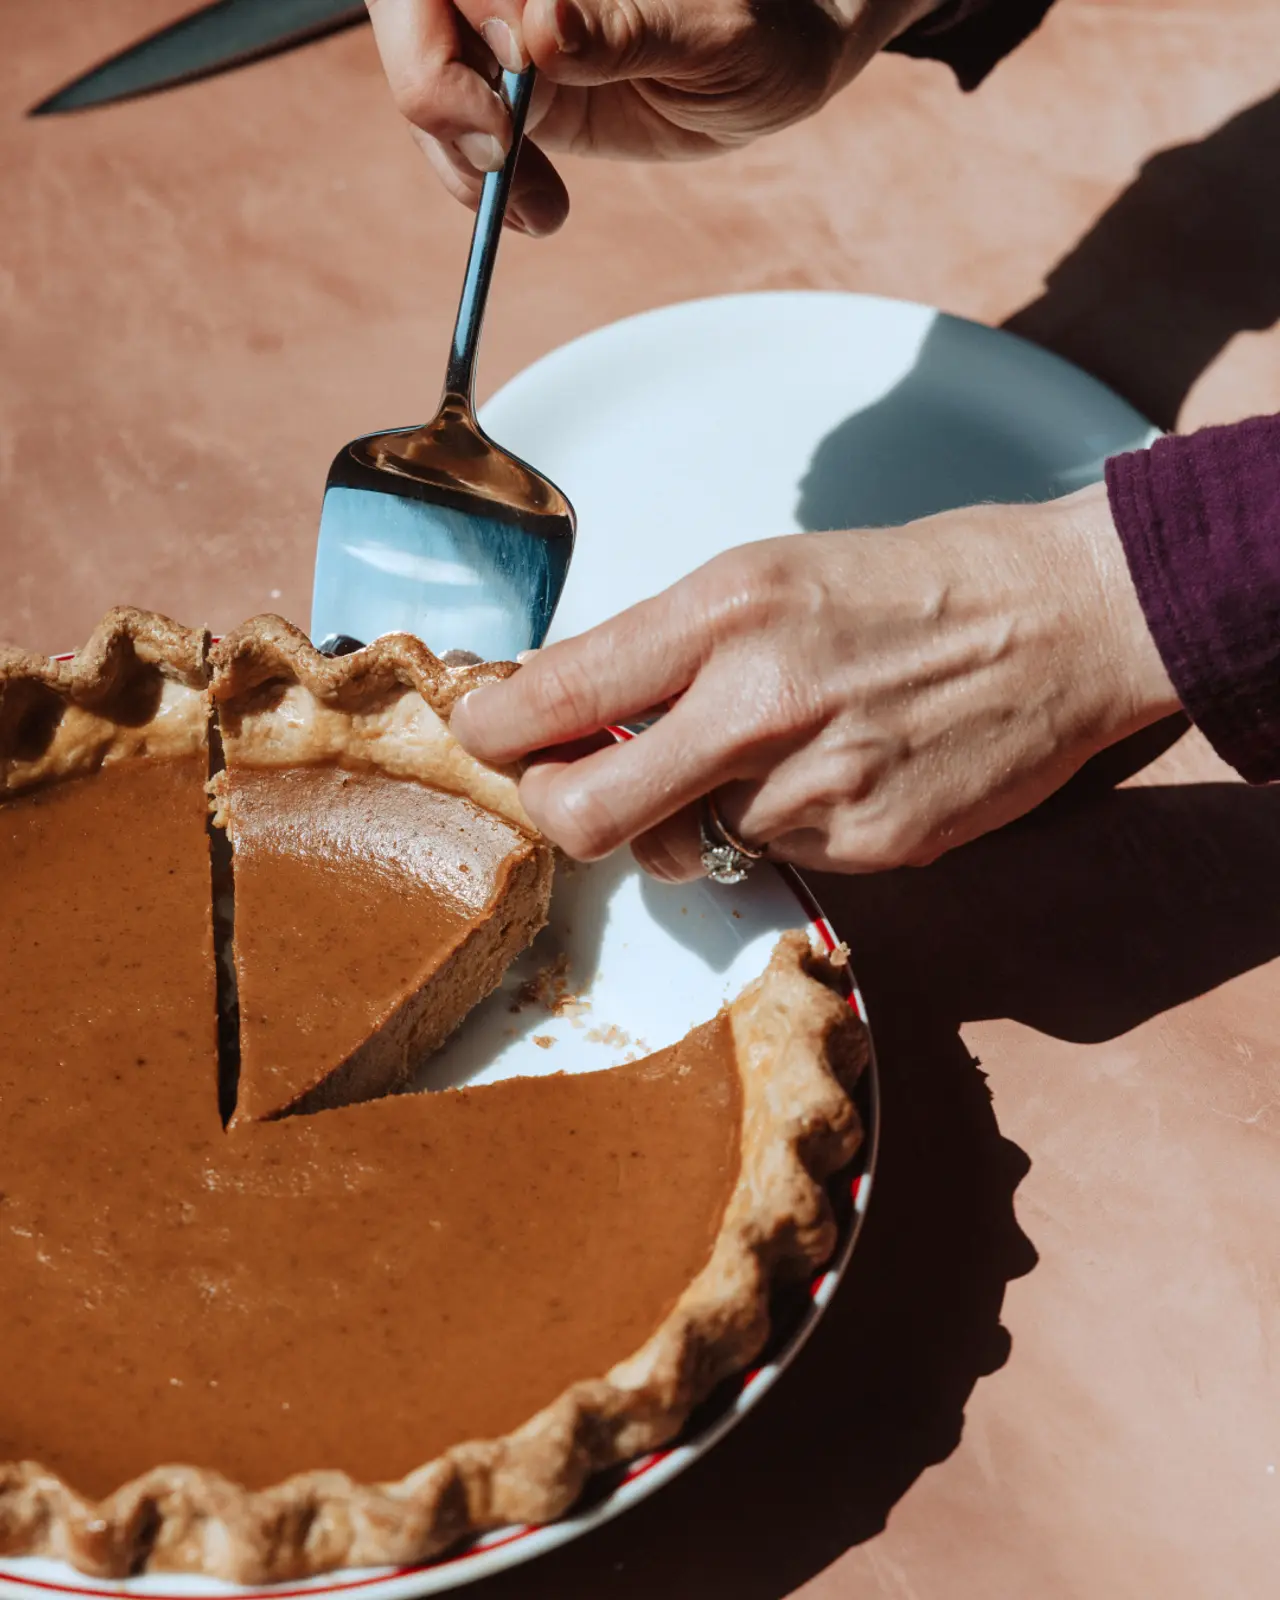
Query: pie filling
[[410, 900], [259, 1344], [360, 1288]]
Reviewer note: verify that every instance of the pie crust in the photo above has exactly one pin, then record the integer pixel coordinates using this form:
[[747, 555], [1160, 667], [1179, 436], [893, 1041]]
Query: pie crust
[[138, 687], [341, 728], [798, 1048], [281, 703]]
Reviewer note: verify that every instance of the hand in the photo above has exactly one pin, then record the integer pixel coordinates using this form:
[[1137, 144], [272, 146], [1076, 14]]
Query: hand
[[642, 79], [857, 700]]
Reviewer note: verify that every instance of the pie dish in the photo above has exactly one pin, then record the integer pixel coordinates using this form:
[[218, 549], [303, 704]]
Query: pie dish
[[317, 1338]]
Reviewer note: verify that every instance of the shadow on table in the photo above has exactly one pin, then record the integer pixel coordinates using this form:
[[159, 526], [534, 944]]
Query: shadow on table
[[1184, 259], [1079, 924]]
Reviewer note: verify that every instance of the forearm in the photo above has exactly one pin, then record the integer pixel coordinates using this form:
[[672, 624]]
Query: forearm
[[1199, 519]]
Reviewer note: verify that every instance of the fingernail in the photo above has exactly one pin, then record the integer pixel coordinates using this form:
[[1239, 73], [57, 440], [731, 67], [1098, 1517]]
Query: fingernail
[[569, 27], [506, 48], [481, 151]]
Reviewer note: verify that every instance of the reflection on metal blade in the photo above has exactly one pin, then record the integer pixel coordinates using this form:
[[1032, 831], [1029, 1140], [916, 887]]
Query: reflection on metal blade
[[226, 34], [459, 580]]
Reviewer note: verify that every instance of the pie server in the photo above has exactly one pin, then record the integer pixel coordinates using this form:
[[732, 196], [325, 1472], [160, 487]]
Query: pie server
[[432, 529], [436, 530]]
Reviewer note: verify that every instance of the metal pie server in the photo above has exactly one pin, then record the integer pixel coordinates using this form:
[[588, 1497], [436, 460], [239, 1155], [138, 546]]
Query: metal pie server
[[436, 530]]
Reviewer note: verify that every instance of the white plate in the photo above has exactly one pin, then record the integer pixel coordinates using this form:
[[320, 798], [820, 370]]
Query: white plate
[[677, 434], [683, 431]]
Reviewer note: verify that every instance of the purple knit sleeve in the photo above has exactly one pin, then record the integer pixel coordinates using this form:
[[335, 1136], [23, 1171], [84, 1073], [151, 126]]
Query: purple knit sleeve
[[972, 36], [1199, 518]]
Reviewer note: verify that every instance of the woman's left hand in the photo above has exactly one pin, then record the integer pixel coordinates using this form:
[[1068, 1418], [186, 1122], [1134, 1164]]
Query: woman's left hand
[[857, 700]]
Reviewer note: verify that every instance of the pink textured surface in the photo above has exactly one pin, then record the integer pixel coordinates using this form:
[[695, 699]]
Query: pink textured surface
[[1053, 1370]]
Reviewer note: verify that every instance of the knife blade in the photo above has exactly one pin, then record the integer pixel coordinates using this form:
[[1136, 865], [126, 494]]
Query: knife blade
[[228, 33]]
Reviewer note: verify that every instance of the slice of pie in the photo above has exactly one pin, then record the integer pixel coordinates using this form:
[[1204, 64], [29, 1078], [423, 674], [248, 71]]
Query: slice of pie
[[372, 1330], [384, 880]]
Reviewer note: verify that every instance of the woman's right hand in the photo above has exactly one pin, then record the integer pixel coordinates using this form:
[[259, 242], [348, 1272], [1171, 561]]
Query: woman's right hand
[[648, 80]]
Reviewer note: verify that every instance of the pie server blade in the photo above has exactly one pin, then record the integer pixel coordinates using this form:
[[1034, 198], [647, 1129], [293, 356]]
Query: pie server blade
[[437, 530]]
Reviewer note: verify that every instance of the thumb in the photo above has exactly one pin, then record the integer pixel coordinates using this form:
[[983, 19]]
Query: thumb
[[589, 42]]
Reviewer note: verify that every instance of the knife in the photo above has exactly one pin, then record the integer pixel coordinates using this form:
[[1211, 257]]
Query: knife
[[227, 34]]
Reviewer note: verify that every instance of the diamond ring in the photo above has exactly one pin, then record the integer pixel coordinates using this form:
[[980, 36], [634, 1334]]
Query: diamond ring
[[725, 857]]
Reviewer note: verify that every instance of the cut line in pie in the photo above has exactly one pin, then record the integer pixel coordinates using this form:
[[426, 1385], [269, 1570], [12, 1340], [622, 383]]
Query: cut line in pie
[[353, 1336]]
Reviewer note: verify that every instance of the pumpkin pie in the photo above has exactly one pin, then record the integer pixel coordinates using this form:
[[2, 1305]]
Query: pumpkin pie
[[271, 1346]]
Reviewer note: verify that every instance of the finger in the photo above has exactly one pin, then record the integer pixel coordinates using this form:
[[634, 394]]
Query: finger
[[436, 66], [459, 178], [598, 41], [539, 201], [636, 660], [563, 754], [498, 23], [672, 852], [592, 806], [430, 58], [618, 119]]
